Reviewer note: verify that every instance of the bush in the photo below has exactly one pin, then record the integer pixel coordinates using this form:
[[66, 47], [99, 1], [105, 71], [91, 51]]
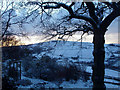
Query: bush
[[7, 83], [13, 52], [24, 82], [85, 76], [27, 63], [72, 73], [48, 69], [13, 73], [37, 49], [26, 51]]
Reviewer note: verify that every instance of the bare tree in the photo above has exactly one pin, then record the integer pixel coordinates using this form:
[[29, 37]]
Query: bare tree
[[7, 16], [13, 20], [10, 40], [98, 15]]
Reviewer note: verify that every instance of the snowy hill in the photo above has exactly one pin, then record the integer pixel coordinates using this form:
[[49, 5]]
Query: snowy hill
[[65, 53], [68, 49]]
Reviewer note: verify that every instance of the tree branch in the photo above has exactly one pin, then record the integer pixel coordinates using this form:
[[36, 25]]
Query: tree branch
[[7, 24], [58, 5], [86, 18], [72, 15], [72, 4], [112, 5], [107, 21], [118, 4], [91, 8], [6, 8]]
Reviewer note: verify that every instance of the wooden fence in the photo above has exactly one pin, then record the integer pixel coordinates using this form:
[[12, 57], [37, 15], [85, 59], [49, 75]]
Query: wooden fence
[[15, 69]]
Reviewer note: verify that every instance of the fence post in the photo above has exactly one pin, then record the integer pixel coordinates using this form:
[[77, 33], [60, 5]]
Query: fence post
[[20, 70], [16, 65]]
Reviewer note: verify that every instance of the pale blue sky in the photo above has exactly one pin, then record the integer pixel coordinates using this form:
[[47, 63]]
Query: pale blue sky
[[111, 35]]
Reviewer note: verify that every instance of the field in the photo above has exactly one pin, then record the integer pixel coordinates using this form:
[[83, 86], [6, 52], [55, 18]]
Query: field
[[59, 64]]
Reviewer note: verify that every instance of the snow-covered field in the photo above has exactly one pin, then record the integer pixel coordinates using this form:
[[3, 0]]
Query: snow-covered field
[[76, 53]]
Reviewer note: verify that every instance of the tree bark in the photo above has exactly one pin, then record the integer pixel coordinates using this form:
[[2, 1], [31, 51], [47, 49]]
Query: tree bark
[[99, 56]]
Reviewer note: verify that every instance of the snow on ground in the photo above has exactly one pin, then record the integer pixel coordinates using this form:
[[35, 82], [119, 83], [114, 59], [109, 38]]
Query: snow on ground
[[73, 49], [89, 69], [111, 86], [36, 83], [82, 53], [117, 64], [111, 80], [65, 84], [108, 72], [112, 73], [74, 52], [78, 84]]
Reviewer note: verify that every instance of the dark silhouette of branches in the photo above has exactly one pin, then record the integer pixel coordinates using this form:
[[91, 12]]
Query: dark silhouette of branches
[[93, 17]]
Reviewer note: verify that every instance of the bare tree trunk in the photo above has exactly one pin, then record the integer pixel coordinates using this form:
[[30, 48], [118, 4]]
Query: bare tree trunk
[[99, 56]]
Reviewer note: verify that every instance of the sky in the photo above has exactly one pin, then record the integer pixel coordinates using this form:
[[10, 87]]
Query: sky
[[110, 37], [112, 33]]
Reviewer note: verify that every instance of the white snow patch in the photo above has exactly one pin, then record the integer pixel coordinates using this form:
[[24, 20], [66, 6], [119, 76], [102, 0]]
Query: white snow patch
[[111, 80], [117, 64], [112, 73], [36, 82], [78, 84], [89, 69], [108, 72], [111, 86]]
